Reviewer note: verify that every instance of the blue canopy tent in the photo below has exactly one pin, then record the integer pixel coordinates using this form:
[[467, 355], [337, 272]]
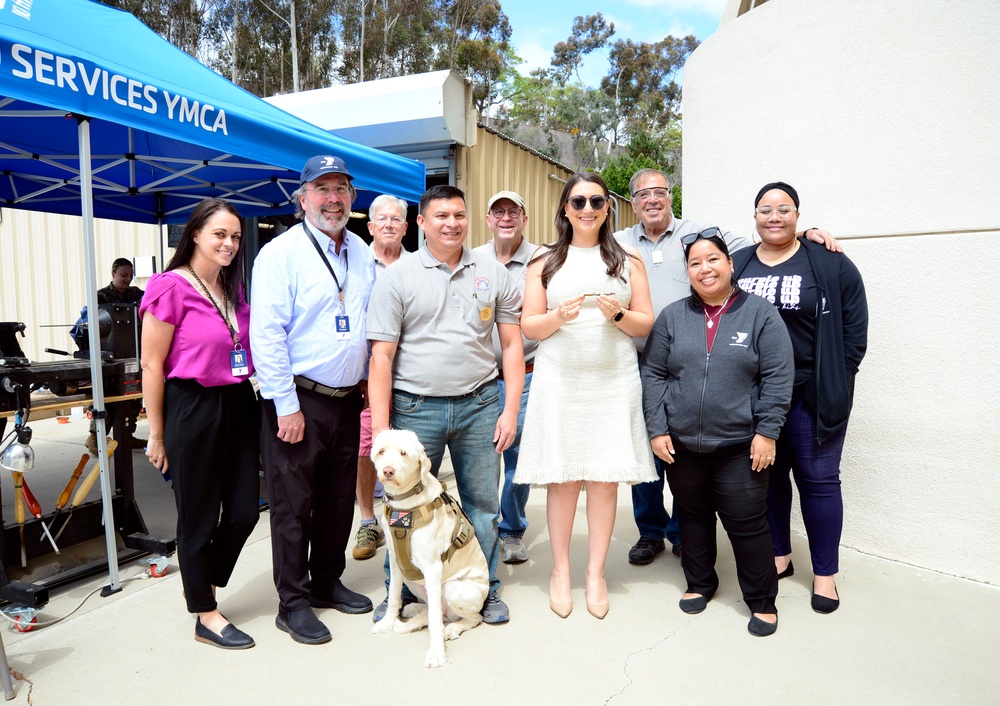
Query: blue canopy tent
[[101, 117]]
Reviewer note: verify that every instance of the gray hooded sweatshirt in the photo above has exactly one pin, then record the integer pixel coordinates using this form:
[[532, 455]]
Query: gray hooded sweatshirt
[[712, 400]]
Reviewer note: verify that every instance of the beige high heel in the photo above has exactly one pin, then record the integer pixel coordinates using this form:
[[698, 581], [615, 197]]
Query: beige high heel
[[562, 609], [598, 609]]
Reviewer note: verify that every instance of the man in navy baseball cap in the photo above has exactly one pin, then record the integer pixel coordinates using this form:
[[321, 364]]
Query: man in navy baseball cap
[[308, 336], [323, 164]]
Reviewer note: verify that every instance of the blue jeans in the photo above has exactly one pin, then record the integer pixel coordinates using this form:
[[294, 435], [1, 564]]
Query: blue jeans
[[513, 498], [464, 425], [651, 516], [816, 470]]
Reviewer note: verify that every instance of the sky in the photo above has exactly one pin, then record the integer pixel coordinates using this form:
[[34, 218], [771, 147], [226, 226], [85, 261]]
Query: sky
[[539, 24]]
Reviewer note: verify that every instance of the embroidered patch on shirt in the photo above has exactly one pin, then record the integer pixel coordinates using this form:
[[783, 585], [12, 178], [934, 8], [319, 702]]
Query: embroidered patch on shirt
[[483, 286]]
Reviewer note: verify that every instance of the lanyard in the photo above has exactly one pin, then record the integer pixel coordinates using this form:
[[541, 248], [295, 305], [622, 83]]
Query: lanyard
[[225, 303], [322, 256]]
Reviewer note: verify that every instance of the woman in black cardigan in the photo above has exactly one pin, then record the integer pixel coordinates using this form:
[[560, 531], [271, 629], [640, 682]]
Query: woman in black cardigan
[[821, 299]]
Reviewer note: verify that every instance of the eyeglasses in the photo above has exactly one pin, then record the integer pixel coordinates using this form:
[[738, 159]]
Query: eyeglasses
[[580, 202], [783, 211], [498, 212], [395, 220], [341, 191], [647, 194]]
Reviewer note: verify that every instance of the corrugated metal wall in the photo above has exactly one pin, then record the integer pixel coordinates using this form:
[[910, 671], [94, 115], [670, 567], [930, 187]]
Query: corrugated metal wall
[[41, 255], [42, 275], [494, 164]]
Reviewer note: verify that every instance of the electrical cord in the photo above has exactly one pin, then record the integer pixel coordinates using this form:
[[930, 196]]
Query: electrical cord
[[44, 624]]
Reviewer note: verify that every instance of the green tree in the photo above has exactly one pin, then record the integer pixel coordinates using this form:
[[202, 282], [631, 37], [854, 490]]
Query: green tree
[[589, 34], [384, 38], [473, 37], [641, 80], [645, 151]]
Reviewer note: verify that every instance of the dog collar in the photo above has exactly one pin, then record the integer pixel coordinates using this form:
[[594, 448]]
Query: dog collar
[[415, 490]]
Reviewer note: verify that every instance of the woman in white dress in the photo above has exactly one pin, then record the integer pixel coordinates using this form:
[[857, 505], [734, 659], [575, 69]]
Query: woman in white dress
[[584, 299]]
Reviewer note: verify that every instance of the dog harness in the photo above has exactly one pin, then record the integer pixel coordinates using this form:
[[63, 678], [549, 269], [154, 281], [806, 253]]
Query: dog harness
[[403, 522]]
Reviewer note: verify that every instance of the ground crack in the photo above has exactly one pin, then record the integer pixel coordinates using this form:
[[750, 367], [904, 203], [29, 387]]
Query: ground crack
[[659, 643]]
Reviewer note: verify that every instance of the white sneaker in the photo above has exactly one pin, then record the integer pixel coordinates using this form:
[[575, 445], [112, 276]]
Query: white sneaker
[[512, 550]]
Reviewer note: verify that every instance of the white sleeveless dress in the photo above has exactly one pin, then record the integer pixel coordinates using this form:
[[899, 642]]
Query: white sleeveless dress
[[584, 416]]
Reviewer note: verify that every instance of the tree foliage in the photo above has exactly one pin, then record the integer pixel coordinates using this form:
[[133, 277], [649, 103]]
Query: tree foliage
[[641, 80], [589, 34]]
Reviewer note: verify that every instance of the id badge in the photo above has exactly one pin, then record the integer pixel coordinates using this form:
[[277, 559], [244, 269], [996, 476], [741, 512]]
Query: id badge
[[343, 323], [239, 363], [657, 257]]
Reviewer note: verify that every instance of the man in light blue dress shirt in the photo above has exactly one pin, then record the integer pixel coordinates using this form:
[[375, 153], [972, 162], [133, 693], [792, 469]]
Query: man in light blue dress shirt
[[309, 295]]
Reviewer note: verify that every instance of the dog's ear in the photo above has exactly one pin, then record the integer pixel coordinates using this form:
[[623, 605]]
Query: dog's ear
[[425, 462]]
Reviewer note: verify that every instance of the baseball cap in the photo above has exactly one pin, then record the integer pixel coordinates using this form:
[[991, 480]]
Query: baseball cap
[[323, 164], [509, 195]]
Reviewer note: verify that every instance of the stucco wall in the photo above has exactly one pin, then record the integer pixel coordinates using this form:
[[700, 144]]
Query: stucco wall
[[884, 117]]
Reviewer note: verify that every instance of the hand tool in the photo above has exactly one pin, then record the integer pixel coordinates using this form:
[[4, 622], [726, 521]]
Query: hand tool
[[85, 486], [19, 511], [36, 511], [64, 496]]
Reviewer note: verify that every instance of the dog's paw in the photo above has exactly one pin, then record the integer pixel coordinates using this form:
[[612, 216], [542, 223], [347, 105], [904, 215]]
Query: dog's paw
[[435, 657], [385, 625], [452, 631], [414, 609]]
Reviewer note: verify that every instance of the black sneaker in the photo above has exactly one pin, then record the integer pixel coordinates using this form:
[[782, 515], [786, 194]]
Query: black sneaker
[[645, 550]]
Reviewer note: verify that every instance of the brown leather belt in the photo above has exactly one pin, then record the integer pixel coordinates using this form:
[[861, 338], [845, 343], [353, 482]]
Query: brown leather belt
[[307, 384], [529, 368]]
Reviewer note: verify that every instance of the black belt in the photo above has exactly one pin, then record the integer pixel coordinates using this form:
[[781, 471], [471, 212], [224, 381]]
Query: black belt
[[307, 384]]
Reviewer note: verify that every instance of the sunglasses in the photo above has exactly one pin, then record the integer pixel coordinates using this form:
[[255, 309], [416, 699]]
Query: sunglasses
[[580, 202], [706, 234], [713, 234]]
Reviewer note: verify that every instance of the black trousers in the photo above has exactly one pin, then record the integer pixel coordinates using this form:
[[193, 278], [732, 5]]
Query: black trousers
[[311, 489], [723, 482], [211, 436]]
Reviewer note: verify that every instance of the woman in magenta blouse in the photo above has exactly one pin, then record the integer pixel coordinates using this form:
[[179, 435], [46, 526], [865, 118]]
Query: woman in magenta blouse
[[204, 425]]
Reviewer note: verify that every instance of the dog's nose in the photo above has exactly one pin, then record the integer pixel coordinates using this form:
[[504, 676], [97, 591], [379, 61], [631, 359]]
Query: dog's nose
[[388, 471]]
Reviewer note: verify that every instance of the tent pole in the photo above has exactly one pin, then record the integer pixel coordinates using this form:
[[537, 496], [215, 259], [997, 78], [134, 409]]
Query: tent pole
[[94, 334]]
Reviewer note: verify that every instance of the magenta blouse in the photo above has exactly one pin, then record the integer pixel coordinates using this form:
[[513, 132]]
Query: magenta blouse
[[201, 345]]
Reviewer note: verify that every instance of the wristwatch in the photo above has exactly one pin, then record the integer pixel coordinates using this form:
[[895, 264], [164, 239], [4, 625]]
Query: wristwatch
[[619, 316]]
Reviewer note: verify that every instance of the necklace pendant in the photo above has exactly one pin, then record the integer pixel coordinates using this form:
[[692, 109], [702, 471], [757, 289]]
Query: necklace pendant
[[710, 324]]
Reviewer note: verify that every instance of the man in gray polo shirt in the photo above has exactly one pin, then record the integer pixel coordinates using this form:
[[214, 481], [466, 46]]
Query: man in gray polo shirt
[[506, 217], [657, 237], [433, 371]]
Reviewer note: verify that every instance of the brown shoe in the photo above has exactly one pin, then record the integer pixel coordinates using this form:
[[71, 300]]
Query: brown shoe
[[369, 538]]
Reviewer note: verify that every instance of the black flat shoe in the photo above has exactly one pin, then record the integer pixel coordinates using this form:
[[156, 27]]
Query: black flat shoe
[[693, 606], [789, 571], [761, 628], [341, 598], [822, 604], [232, 638], [303, 626]]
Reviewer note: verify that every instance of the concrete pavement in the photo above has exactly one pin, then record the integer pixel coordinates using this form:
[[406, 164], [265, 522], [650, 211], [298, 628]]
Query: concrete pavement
[[902, 635]]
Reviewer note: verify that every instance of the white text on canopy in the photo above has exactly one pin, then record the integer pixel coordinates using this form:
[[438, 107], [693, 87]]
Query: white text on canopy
[[53, 70]]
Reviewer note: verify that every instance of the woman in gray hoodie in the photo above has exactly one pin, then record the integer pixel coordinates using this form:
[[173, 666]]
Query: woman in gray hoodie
[[717, 374]]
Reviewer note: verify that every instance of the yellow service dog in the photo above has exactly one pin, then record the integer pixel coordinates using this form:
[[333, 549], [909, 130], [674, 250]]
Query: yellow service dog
[[432, 548]]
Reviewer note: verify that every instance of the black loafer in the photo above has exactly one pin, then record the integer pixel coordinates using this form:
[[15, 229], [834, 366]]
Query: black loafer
[[303, 626], [789, 571], [693, 606], [822, 604], [341, 598], [232, 638], [761, 628]]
